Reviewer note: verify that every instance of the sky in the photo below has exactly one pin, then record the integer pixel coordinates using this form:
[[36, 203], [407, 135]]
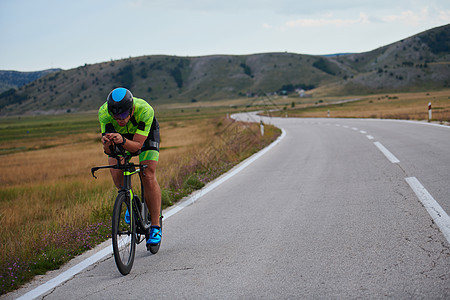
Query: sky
[[42, 34]]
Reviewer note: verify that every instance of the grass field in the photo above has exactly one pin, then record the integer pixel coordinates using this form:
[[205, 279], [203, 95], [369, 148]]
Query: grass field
[[52, 209], [410, 106]]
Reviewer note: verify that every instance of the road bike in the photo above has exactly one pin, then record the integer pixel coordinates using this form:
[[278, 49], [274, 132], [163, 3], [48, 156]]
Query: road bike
[[126, 234]]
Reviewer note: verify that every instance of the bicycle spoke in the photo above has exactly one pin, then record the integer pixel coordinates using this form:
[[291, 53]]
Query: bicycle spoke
[[124, 237]]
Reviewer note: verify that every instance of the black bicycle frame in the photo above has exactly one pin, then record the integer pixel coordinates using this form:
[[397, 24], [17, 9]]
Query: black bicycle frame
[[129, 169]]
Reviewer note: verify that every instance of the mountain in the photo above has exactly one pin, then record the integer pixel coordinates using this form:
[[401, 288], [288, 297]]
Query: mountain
[[415, 63], [16, 79], [420, 62], [163, 79]]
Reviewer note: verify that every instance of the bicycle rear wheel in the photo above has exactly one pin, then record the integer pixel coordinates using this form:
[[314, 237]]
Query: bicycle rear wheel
[[123, 235]]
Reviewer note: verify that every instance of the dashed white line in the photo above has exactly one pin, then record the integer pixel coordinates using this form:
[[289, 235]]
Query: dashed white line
[[440, 217], [387, 153]]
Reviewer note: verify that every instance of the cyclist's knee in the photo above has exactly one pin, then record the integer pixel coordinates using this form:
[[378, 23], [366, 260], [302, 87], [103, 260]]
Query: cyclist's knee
[[149, 176], [150, 181], [151, 167]]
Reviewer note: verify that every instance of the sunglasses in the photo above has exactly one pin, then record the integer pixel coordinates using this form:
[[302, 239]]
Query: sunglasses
[[121, 116]]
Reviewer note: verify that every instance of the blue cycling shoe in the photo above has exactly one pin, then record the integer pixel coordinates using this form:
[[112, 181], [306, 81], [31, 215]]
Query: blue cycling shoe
[[155, 236], [127, 217]]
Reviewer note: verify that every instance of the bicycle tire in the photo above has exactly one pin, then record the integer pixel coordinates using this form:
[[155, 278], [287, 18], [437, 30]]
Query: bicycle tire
[[123, 235]]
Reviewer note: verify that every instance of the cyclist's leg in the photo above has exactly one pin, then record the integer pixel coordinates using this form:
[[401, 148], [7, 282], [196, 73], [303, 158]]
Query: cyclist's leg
[[151, 185], [149, 156], [117, 175]]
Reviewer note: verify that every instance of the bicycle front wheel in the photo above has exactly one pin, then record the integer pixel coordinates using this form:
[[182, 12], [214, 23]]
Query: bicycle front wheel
[[123, 235]]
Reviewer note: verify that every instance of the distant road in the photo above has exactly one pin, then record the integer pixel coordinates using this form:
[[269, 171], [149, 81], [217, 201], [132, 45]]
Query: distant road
[[332, 211]]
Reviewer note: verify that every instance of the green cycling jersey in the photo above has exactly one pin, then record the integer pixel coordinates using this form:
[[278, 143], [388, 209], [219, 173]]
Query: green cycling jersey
[[141, 122]]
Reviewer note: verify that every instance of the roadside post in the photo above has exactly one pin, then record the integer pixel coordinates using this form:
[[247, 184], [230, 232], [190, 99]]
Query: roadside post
[[429, 112], [261, 126]]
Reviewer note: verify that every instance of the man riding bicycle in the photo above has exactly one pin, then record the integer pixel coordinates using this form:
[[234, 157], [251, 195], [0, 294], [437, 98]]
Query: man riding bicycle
[[130, 122]]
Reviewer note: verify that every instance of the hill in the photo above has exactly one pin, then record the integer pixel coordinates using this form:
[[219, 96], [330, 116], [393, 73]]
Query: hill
[[416, 63], [419, 62], [16, 79], [165, 79]]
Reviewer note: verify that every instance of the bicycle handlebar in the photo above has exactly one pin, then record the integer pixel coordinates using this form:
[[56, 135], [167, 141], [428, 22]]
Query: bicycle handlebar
[[123, 154], [118, 151], [118, 166]]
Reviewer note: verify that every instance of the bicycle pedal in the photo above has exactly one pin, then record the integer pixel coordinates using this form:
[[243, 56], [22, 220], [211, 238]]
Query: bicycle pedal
[[153, 248]]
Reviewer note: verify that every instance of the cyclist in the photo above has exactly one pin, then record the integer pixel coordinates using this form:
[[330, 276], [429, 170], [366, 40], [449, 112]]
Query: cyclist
[[130, 122]]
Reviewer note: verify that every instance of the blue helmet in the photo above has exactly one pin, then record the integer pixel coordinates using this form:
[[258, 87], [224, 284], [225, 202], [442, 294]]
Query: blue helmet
[[120, 102]]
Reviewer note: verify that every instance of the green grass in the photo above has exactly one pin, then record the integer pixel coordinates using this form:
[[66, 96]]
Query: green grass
[[29, 127]]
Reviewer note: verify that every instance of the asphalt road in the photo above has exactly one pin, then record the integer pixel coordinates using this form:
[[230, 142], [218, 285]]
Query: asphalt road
[[324, 214]]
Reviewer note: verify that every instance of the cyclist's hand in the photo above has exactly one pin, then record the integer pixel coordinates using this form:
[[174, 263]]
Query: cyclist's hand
[[116, 138], [106, 141]]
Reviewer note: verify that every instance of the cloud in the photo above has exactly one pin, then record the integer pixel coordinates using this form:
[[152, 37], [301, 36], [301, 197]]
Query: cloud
[[363, 19], [444, 16], [408, 17], [411, 18]]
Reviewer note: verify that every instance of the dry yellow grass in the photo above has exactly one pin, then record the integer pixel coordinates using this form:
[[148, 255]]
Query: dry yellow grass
[[47, 189], [67, 167], [49, 165], [395, 106]]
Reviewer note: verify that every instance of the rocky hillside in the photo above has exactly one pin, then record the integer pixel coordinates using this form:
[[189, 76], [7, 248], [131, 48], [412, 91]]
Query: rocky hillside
[[416, 63]]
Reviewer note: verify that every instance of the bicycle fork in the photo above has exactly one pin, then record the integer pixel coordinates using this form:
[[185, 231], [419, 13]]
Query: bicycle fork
[[137, 209]]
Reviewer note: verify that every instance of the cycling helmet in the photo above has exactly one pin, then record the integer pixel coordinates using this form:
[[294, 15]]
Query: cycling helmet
[[120, 102]]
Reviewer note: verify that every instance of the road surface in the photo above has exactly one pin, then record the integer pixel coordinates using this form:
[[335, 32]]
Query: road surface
[[334, 210]]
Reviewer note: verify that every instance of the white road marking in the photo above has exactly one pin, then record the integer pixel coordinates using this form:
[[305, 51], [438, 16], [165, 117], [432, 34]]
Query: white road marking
[[370, 137], [440, 217], [387, 153], [363, 132], [43, 288]]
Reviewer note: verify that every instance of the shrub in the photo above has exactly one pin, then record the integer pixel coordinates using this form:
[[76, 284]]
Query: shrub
[[324, 66]]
